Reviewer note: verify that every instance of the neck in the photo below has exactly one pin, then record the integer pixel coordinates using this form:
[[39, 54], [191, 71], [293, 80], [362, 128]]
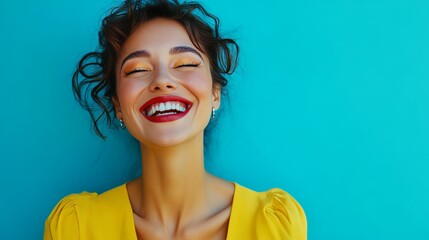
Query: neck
[[173, 183]]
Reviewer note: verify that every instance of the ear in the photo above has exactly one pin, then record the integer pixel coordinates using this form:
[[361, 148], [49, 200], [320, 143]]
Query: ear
[[117, 106], [217, 89]]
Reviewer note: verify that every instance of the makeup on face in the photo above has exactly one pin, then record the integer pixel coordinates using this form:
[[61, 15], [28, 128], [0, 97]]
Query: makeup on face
[[165, 108], [164, 84], [173, 51]]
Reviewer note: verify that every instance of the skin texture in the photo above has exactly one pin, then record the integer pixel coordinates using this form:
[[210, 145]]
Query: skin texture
[[175, 198]]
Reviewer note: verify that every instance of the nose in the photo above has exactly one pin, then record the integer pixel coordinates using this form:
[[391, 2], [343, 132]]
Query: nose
[[162, 81]]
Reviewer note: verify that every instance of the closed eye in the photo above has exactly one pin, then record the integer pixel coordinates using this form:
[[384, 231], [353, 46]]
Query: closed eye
[[136, 70], [188, 65]]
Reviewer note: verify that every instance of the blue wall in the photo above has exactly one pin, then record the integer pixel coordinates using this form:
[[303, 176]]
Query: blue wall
[[331, 103]]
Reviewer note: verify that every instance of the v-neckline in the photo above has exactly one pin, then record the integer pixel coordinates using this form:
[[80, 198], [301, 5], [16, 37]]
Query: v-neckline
[[231, 220]]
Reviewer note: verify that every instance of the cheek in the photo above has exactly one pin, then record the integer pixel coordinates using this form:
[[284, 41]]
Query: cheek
[[128, 90], [200, 83]]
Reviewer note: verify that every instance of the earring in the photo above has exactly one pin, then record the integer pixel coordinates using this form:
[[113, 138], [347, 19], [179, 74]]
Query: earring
[[213, 112], [121, 124]]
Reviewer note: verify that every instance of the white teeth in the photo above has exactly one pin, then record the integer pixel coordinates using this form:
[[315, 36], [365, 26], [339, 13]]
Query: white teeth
[[162, 107], [159, 108], [167, 113], [151, 111], [175, 106]]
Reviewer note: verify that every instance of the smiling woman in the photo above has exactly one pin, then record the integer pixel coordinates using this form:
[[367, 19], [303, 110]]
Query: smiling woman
[[161, 72]]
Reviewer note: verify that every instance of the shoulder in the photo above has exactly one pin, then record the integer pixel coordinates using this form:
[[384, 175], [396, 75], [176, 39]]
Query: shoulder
[[63, 222], [75, 213], [282, 210], [275, 213]]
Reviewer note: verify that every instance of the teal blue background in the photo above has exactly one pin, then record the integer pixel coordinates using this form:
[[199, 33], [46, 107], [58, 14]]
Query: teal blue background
[[330, 103]]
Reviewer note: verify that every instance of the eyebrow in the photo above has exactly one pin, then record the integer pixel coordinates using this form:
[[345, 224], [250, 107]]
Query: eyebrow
[[183, 49], [136, 54], [173, 51]]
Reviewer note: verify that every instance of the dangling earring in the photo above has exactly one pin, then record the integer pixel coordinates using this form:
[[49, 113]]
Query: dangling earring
[[121, 124], [213, 112]]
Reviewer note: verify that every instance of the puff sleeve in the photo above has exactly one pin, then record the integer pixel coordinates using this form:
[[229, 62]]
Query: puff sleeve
[[283, 216], [63, 222]]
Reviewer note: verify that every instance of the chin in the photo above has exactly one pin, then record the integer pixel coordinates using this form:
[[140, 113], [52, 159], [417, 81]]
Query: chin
[[168, 139], [164, 142]]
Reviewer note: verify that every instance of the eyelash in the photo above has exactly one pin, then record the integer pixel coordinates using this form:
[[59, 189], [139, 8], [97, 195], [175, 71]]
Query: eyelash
[[136, 70], [188, 65], [146, 70]]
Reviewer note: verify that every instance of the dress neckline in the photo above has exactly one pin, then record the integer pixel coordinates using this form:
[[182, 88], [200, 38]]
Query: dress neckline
[[231, 220]]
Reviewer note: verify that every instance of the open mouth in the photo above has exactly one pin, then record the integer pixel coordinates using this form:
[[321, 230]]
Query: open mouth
[[165, 108]]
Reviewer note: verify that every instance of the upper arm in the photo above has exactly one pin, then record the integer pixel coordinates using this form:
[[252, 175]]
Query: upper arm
[[286, 216], [63, 222]]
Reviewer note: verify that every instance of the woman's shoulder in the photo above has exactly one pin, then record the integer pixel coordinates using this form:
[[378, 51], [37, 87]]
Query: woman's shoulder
[[76, 214], [272, 214]]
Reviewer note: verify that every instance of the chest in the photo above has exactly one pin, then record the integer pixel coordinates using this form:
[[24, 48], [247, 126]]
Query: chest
[[213, 228]]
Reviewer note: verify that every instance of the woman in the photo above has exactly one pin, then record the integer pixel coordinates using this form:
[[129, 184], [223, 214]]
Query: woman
[[161, 67]]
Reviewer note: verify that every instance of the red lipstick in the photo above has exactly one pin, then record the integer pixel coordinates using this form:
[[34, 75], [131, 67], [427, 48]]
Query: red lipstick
[[174, 114]]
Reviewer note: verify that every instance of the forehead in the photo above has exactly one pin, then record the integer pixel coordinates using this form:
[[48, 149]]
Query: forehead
[[157, 35]]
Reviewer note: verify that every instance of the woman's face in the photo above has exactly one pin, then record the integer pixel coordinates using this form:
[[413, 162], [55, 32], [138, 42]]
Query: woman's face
[[164, 89]]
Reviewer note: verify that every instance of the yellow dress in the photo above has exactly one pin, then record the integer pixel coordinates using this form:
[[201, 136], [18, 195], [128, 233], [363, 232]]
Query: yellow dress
[[270, 215]]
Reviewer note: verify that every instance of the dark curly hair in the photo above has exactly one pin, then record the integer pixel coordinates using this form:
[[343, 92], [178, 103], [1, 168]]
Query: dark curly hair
[[95, 74]]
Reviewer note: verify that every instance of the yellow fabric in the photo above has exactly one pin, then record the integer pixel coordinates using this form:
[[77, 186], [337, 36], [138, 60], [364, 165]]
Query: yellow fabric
[[270, 215]]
